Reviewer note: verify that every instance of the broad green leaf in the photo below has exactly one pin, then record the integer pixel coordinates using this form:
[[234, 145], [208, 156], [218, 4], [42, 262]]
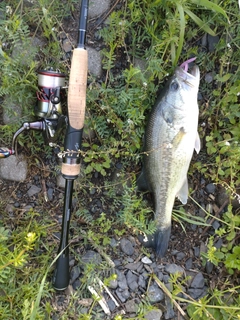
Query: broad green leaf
[[224, 78]]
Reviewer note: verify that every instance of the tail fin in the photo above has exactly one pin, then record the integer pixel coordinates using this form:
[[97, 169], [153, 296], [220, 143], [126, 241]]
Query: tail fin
[[161, 240]]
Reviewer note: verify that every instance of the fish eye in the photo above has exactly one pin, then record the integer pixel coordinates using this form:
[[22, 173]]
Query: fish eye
[[174, 86]]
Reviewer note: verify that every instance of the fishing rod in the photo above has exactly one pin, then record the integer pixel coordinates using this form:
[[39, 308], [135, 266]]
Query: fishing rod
[[72, 144]]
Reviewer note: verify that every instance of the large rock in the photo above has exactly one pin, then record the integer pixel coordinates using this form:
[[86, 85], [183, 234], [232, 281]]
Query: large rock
[[13, 168], [98, 7]]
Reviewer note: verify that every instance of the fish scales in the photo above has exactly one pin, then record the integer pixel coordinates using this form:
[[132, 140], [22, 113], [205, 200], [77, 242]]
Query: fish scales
[[170, 138]]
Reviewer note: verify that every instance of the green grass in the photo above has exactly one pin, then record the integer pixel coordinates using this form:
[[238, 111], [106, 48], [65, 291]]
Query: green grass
[[162, 33]]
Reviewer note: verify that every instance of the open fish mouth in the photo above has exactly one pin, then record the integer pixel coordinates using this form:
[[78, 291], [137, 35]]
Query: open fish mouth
[[194, 71], [190, 77]]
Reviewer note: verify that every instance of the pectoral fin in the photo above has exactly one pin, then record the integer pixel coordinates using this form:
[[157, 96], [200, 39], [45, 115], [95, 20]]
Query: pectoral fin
[[182, 194], [197, 146], [177, 139]]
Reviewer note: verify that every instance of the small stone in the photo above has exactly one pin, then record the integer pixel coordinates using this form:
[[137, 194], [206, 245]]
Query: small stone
[[33, 190], [169, 314], [92, 191], [196, 251], [198, 281], [169, 286], [126, 246], [133, 286], [142, 281], [133, 266], [67, 47], [27, 208], [180, 256], [173, 268], [119, 165], [155, 314], [61, 181], [196, 293], [140, 268], [160, 275], [50, 193], [209, 267], [146, 260], [209, 77], [91, 257], [113, 243], [117, 262], [36, 178], [216, 225], [210, 188], [165, 278], [219, 243], [188, 264], [75, 273], [123, 295], [19, 194], [122, 281], [111, 305], [113, 284], [131, 306], [131, 277], [76, 284], [203, 247], [155, 294]]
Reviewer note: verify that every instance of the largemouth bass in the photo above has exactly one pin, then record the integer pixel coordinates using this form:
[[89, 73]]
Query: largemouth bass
[[170, 139]]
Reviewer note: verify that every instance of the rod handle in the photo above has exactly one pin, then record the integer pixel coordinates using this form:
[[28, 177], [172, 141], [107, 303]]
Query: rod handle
[[61, 273], [77, 88], [76, 113]]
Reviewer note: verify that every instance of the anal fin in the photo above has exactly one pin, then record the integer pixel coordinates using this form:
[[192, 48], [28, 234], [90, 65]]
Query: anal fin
[[197, 146], [182, 194]]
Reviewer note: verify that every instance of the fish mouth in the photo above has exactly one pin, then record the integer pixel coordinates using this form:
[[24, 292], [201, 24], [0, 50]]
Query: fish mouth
[[190, 77]]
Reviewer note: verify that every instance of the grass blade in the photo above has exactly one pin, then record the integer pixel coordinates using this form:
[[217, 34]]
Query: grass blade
[[182, 31], [200, 23], [211, 6]]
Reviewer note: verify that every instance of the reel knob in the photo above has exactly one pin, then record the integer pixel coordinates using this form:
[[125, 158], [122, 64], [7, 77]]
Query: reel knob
[[5, 152]]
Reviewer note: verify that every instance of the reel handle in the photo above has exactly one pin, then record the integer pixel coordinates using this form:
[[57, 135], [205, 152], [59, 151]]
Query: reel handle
[[5, 152]]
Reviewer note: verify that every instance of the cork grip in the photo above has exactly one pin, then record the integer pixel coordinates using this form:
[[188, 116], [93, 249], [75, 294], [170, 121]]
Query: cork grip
[[77, 88], [70, 170]]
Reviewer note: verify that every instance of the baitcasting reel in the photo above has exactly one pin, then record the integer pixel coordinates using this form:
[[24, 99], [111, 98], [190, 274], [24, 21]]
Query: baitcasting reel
[[48, 109]]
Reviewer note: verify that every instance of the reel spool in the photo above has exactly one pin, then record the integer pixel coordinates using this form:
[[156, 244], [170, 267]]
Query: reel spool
[[50, 92]]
